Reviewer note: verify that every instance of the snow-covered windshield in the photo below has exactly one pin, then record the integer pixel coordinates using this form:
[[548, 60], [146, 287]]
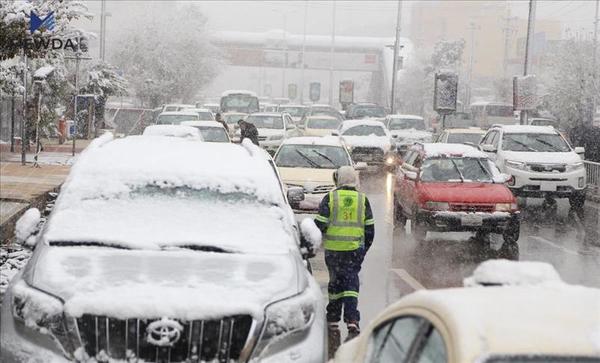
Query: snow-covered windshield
[[266, 121], [323, 123], [532, 142], [406, 123], [311, 156], [365, 130], [456, 170], [213, 134], [293, 111], [175, 119], [369, 111], [459, 138]]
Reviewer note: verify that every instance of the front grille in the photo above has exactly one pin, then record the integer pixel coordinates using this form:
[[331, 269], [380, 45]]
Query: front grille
[[463, 207], [323, 188], [367, 154], [220, 340], [547, 168]]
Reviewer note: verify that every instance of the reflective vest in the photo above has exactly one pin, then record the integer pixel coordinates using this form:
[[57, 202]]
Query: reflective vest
[[346, 222]]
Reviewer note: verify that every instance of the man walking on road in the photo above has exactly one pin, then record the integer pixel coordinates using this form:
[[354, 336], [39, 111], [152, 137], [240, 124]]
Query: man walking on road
[[346, 221], [220, 120], [248, 131]]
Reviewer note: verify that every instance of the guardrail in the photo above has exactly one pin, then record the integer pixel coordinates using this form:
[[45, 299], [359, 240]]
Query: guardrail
[[592, 170]]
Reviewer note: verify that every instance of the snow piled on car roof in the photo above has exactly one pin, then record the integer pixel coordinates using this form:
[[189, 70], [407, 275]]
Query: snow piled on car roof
[[505, 272], [173, 131], [521, 129], [442, 149], [194, 124], [362, 122], [316, 140]]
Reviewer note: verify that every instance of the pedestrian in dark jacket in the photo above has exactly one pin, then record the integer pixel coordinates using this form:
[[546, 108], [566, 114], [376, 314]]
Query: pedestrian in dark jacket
[[248, 131], [346, 220], [220, 120]]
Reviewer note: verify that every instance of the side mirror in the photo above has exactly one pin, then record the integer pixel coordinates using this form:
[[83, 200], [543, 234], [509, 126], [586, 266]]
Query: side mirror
[[27, 226], [295, 195], [310, 237], [335, 133], [502, 178], [411, 175], [361, 165], [488, 148], [579, 150]]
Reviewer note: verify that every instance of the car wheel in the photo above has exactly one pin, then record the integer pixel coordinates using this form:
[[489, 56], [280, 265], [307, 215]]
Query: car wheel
[[418, 230], [399, 214], [577, 201], [511, 235]]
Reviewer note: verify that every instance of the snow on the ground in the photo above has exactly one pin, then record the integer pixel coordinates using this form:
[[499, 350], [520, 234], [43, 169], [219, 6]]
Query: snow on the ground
[[27, 224], [505, 272]]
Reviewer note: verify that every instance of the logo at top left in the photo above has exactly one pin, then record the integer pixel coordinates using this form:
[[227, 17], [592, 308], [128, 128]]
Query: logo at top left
[[37, 23]]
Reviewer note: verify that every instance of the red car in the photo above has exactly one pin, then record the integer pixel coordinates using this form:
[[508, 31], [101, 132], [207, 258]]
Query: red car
[[454, 187]]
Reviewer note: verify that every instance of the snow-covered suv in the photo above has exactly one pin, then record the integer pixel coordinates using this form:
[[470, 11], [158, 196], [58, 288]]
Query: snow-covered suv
[[540, 160], [163, 249]]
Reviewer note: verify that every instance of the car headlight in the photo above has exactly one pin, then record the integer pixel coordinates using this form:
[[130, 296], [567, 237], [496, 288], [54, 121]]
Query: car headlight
[[276, 137], [390, 160], [43, 313], [516, 164], [505, 207], [576, 166], [442, 206], [284, 320]]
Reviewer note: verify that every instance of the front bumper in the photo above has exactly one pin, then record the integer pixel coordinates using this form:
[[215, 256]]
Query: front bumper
[[447, 221], [539, 185]]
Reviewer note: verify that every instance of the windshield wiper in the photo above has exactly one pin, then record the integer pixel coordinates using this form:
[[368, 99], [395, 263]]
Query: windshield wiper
[[524, 145], [548, 144], [462, 178], [87, 244], [310, 161], [203, 248], [324, 157]]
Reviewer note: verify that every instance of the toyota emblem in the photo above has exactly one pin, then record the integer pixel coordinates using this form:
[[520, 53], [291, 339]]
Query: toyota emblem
[[164, 332]]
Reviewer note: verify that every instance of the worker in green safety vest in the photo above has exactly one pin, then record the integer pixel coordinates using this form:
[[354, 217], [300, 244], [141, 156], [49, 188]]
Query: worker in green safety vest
[[346, 221]]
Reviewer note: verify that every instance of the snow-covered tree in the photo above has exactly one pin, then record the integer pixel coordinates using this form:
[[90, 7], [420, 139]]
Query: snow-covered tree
[[169, 65]]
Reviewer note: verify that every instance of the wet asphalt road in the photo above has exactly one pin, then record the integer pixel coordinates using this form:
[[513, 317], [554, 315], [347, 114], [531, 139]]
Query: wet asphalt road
[[396, 265]]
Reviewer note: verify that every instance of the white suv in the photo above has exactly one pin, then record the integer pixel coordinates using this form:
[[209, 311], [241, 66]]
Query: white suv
[[540, 160]]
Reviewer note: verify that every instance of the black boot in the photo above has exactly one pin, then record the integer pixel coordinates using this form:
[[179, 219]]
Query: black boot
[[334, 339], [353, 330]]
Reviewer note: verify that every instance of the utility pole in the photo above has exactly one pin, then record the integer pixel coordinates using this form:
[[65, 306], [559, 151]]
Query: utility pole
[[303, 54], [284, 55], [528, 45], [509, 31], [396, 50], [78, 59], [332, 55], [24, 118], [103, 30], [596, 88], [472, 28]]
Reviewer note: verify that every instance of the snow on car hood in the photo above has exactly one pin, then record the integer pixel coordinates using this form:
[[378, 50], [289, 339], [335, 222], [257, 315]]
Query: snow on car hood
[[179, 283], [382, 142], [153, 222], [412, 134], [307, 176], [270, 132], [543, 157]]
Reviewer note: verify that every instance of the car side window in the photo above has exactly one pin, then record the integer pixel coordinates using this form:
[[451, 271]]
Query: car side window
[[433, 350], [487, 138], [410, 157], [392, 341], [494, 139]]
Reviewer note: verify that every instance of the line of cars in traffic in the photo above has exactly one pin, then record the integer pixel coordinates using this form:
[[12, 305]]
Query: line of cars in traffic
[[177, 245]]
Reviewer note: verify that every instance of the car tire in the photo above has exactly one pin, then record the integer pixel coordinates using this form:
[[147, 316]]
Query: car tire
[[399, 216], [418, 230], [577, 201], [512, 232]]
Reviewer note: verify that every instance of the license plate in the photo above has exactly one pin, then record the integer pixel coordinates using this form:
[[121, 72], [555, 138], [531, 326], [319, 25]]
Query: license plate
[[547, 186], [471, 220]]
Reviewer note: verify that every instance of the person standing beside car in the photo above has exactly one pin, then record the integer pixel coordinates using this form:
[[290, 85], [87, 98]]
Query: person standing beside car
[[248, 131], [346, 220], [220, 120]]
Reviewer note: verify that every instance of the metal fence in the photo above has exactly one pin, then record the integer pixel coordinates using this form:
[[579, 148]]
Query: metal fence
[[592, 170]]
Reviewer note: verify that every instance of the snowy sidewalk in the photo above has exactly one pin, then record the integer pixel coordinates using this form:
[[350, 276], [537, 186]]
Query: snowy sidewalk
[[25, 186]]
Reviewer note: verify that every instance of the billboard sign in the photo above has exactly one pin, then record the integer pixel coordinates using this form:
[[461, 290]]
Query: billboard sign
[[346, 91], [525, 93], [445, 92], [315, 91]]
